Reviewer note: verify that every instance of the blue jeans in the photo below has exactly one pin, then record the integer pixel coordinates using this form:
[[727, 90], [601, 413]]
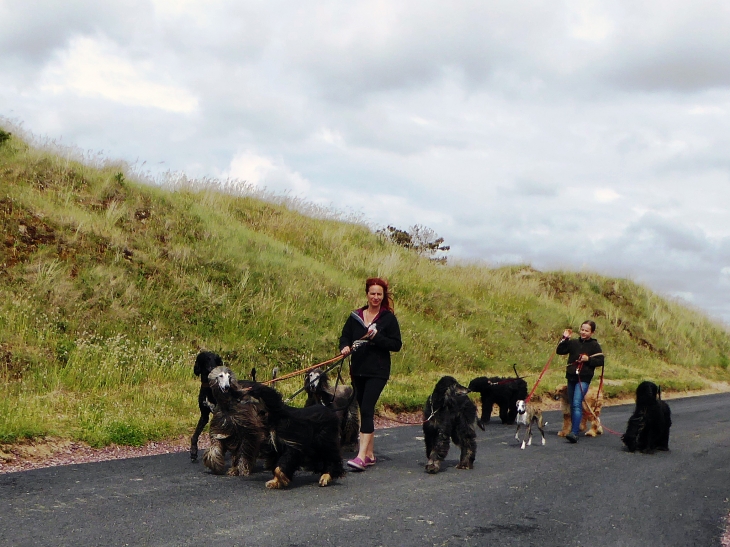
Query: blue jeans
[[575, 396]]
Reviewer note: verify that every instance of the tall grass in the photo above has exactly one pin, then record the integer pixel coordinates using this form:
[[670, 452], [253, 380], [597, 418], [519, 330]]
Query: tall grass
[[109, 286]]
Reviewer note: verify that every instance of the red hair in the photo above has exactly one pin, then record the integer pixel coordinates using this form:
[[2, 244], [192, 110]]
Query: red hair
[[387, 303]]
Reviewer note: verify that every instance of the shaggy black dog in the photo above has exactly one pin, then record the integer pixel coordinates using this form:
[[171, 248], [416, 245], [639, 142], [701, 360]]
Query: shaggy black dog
[[342, 401], [205, 362], [238, 424], [503, 392], [449, 415], [299, 438], [648, 427]]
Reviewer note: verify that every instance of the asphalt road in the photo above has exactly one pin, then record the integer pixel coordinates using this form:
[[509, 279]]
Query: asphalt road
[[592, 494]]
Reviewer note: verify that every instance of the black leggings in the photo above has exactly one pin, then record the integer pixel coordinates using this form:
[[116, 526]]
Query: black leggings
[[367, 391]]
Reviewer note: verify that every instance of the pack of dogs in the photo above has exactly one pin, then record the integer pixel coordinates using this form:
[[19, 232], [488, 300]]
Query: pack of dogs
[[251, 424]]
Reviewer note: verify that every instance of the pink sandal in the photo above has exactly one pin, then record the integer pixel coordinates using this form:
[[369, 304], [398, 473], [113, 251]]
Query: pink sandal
[[357, 464], [370, 461]]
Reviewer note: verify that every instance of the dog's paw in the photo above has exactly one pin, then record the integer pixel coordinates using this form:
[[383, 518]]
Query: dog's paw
[[433, 467], [283, 479], [325, 479], [273, 484], [523, 445], [232, 472], [467, 465], [194, 455], [481, 425], [543, 441]]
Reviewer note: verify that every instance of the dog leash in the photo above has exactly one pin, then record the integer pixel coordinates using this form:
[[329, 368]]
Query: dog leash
[[312, 367], [544, 370], [297, 392], [433, 413], [579, 366]]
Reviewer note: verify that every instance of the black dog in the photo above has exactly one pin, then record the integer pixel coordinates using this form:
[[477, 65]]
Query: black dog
[[648, 427], [504, 392], [238, 424], [449, 415], [342, 401], [205, 362], [298, 438]]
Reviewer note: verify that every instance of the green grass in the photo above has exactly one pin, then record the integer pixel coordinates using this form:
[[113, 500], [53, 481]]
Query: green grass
[[109, 286]]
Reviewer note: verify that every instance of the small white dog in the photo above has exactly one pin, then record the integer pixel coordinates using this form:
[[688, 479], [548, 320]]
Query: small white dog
[[527, 414]]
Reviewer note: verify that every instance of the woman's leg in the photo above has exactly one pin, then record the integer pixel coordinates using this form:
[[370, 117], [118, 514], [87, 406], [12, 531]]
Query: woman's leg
[[576, 393], [368, 392]]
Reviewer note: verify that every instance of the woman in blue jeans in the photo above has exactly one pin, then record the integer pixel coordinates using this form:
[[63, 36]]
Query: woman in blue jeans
[[584, 355]]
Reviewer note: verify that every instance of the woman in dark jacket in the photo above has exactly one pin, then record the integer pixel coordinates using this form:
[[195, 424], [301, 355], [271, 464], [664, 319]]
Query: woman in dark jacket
[[370, 334], [584, 355]]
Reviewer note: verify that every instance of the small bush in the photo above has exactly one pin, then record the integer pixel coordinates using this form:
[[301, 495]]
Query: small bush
[[126, 434]]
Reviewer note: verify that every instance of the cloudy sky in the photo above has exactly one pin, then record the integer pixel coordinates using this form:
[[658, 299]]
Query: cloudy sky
[[564, 134]]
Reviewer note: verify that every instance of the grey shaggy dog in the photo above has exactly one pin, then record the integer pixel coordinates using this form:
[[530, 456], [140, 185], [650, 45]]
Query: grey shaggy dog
[[237, 426], [342, 400]]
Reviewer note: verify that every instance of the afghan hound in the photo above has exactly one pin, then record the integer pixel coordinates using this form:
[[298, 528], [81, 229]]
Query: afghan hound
[[503, 392], [648, 427], [449, 415], [205, 362], [237, 425], [342, 401], [298, 438], [596, 428]]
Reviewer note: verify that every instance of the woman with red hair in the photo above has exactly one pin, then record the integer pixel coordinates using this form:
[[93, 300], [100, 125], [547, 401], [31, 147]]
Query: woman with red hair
[[369, 335]]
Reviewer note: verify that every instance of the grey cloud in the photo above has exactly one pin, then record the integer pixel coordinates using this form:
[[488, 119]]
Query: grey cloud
[[676, 47], [666, 234], [32, 31], [532, 188]]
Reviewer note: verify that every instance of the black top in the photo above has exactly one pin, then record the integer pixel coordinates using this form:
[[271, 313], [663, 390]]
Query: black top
[[373, 358], [574, 348]]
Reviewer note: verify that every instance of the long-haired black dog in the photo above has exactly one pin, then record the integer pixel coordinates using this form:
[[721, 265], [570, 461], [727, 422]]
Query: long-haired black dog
[[237, 426], [342, 401], [648, 427], [205, 362], [503, 392], [449, 415], [299, 438]]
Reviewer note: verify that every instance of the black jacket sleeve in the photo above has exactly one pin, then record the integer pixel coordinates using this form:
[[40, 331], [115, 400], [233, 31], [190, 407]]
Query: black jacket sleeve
[[388, 336]]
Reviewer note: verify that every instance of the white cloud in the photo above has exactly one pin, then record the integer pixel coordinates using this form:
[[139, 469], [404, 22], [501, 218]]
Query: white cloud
[[591, 23], [91, 68], [606, 195], [262, 172]]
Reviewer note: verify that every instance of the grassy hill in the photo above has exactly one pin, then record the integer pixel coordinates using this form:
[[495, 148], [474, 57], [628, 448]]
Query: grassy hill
[[109, 287]]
